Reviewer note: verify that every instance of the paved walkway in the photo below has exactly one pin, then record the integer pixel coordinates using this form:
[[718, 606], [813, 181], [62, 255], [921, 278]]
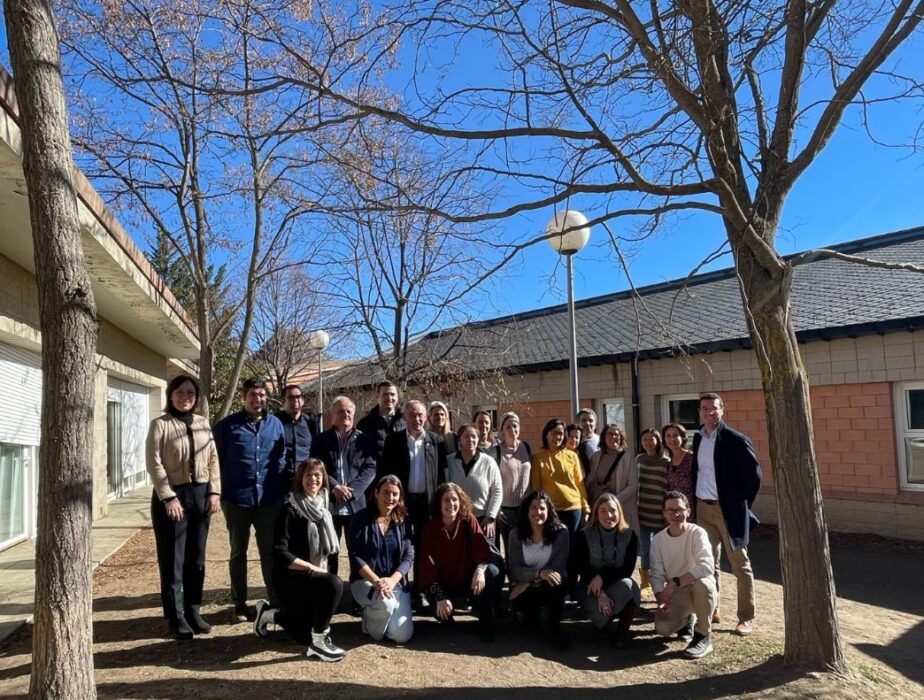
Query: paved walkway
[[17, 564]]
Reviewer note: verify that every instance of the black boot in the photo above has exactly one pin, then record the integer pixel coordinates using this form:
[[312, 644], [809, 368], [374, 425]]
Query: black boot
[[195, 621], [179, 628]]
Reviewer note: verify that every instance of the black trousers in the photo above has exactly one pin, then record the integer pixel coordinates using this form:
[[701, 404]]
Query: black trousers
[[309, 600], [530, 601], [341, 525], [181, 548], [418, 512]]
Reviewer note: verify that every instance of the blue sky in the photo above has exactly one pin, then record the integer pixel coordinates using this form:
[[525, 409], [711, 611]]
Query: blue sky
[[855, 189]]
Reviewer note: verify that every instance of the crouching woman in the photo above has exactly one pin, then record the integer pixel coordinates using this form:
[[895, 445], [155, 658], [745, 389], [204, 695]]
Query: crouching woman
[[456, 561], [381, 555], [304, 539], [604, 557]]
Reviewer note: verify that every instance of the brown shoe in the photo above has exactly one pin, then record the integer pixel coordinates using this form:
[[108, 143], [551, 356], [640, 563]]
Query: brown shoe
[[716, 618], [744, 628]]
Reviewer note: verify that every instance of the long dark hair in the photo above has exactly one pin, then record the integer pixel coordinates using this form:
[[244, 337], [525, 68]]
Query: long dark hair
[[552, 523], [400, 511]]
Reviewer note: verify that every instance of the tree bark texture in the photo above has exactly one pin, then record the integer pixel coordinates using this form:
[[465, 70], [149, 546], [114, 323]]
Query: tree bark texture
[[62, 654], [809, 599]]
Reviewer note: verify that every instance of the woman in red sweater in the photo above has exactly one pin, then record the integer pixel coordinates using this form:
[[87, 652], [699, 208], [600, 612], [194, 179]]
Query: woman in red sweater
[[456, 561]]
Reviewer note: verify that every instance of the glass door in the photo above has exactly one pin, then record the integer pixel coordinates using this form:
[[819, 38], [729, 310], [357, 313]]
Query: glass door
[[114, 447], [12, 493]]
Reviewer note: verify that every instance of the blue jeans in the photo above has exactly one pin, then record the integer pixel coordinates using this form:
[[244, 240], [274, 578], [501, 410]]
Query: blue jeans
[[645, 536], [385, 617], [571, 519]]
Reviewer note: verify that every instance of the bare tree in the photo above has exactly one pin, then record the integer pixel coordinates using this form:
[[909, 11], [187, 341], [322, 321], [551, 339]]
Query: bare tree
[[289, 306], [398, 268], [219, 177], [62, 647], [652, 109]]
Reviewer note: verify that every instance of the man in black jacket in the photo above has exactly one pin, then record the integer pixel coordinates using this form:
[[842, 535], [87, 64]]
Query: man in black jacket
[[384, 418], [726, 479], [299, 429], [349, 459], [418, 458]]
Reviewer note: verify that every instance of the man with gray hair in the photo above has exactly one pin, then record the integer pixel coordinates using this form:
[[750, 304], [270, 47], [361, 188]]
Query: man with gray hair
[[418, 458], [349, 458]]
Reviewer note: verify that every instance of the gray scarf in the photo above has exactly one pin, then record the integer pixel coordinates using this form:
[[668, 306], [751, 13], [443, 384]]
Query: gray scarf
[[322, 539]]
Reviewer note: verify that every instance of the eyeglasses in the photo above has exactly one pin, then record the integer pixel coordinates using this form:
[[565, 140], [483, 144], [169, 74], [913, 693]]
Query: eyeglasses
[[295, 397], [675, 510]]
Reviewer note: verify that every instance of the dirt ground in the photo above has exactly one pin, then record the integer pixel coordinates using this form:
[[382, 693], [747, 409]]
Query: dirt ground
[[882, 626]]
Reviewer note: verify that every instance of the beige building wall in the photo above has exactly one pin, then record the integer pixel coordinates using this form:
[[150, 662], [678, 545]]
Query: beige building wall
[[852, 383], [118, 355]]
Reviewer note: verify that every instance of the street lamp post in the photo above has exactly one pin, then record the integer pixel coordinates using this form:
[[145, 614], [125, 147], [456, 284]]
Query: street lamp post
[[319, 340], [567, 233]]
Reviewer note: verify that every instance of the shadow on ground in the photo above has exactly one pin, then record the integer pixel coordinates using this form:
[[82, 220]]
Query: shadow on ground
[[766, 676]]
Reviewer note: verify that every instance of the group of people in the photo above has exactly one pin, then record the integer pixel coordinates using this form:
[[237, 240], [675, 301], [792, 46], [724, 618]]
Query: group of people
[[436, 521]]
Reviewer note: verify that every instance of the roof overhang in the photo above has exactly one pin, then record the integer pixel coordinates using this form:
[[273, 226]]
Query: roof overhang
[[128, 293]]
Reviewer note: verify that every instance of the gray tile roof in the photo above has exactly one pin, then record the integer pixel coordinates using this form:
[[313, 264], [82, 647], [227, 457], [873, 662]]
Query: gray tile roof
[[831, 298]]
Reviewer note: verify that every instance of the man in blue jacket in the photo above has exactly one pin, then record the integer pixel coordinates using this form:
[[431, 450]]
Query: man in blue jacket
[[349, 458], [726, 479], [251, 454]]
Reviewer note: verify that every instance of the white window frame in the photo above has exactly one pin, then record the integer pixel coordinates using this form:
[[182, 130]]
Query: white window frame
[[903, 431], [491, 409], [601, 411], [666, 406]]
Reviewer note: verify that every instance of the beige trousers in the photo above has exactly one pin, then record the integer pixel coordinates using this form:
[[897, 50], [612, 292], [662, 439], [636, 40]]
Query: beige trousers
[[710, 518], [700, 598]]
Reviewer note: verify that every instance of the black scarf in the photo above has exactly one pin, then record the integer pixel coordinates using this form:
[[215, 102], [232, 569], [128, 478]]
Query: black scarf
[[186, 418]]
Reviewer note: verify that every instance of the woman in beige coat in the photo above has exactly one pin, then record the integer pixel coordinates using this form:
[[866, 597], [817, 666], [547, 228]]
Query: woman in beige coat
[[183, 464]]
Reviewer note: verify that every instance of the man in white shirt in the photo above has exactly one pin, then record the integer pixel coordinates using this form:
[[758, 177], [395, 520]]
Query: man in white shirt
[[682, 578], [726, 479]]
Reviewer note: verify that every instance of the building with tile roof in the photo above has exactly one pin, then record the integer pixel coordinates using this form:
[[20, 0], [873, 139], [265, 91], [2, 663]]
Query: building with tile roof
[[645, 355]]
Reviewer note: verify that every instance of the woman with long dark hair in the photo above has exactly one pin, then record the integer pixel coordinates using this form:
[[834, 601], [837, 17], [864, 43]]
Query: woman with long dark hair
[[556, 470], [183, 464], [381, 556], [537, 564], [305, 538]]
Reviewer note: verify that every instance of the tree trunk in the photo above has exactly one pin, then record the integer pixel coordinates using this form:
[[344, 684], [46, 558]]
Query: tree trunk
[[206, 354], [62, 652], [812, 635]]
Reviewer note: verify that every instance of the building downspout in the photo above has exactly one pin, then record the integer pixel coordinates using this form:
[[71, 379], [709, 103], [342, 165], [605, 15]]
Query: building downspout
[[636, 408]]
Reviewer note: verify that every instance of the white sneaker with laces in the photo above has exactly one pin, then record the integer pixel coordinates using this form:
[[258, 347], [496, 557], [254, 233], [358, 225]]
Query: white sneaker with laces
[[322, 647]]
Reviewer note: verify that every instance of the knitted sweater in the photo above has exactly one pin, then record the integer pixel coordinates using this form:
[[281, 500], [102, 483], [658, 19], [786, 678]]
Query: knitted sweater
[[482, 484], [689, 553]]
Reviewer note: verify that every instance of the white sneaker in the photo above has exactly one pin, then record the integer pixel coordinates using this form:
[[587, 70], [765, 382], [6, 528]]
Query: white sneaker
[[259, 624], [325, 650]]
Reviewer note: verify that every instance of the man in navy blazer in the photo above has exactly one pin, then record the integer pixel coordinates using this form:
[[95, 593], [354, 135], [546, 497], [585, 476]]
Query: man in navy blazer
[[417, 457], [349, 458], [726, 479]]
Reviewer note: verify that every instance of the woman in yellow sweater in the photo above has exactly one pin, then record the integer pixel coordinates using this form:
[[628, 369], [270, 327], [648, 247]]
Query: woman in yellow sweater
[[557, 471]]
